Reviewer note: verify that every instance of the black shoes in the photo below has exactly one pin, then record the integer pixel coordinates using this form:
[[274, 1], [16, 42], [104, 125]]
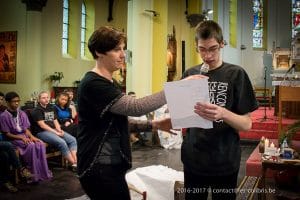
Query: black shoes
[[10, 187]]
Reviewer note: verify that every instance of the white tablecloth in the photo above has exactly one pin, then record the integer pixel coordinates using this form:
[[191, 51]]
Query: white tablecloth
[[157, 180]]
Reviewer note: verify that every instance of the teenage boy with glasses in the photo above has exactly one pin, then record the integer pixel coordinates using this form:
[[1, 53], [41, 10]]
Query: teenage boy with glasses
[[211, 157]]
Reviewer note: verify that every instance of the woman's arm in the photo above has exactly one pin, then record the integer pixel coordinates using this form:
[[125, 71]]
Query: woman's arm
[[130, 106], [136, 125]]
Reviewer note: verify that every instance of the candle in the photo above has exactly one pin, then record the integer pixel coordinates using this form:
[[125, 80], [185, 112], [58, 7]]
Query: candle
[[266, 143], [272, 145]]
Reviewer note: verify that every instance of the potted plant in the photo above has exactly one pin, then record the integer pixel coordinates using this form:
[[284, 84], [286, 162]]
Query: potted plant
[[76, 83], [289, 132], [56, 77]]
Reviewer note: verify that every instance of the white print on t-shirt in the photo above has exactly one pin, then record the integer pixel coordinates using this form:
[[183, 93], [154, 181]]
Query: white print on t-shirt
[[49, 116], [218, 94]]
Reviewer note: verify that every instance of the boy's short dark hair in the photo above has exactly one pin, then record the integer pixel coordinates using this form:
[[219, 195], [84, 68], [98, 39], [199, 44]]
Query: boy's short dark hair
[[209, 29], [1, 94], [10, 95], [105, 39]]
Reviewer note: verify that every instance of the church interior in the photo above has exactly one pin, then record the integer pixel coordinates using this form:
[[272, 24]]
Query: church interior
[[45, 48]]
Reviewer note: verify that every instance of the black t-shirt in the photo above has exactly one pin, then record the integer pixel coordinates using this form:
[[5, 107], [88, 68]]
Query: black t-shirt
[[217, 151], [47, 114], [96, 95]]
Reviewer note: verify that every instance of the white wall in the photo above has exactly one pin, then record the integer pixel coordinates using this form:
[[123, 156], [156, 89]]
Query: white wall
[[13, 17]]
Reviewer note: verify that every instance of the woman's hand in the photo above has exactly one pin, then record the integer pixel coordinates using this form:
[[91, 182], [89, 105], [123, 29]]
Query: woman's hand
[[67, 123]]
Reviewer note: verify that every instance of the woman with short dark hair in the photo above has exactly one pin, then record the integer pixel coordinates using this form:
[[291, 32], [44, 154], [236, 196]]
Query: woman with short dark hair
[[104, 153]]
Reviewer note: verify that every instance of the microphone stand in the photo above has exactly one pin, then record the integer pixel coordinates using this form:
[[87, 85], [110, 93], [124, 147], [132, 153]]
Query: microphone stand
[[265, 97]]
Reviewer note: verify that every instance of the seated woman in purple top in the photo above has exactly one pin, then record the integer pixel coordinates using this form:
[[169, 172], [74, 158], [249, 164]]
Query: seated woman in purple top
[[15, 124]]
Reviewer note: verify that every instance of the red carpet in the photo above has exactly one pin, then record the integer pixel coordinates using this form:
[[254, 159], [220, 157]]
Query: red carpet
[[265, 127]]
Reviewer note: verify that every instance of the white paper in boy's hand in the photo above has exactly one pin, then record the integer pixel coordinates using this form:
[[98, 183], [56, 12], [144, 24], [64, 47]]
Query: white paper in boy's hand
[[182, 97]]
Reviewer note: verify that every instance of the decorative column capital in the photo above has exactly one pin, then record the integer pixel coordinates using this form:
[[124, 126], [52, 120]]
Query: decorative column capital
[[34, 5]]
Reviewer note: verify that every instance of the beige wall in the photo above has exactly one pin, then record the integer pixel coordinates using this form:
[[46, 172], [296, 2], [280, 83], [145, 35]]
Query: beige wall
[[39, 41], [14, 17]]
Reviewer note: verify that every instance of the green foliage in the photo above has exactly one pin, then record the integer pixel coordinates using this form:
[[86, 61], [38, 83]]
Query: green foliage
[[57, 76], [76, 83], [289, 132]]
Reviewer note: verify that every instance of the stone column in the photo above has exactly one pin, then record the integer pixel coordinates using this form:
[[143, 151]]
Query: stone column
[[33, 45]]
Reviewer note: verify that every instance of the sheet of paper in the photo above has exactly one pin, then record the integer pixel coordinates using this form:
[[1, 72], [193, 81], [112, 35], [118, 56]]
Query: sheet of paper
[[181, 98]]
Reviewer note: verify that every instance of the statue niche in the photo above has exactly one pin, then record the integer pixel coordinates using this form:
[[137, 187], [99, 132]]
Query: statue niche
[[171, 55]]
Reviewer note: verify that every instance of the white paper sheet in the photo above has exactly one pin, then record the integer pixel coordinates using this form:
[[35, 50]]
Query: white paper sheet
[[181, 98]]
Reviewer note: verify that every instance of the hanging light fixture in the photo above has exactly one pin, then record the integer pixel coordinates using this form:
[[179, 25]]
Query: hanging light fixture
[[195, 19], [208, 11]]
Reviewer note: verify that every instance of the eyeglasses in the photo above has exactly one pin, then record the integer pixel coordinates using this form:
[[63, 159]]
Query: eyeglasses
[[212, 50]]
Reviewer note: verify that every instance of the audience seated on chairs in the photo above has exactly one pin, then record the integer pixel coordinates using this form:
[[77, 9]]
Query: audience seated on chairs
[[15, 125], [47, 128], [2, 106], [9, 158], [65, 114]]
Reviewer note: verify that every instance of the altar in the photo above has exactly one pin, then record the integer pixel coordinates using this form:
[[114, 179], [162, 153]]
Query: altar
[[289, 109]]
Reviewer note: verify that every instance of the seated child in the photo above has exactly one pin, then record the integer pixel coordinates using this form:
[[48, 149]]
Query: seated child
[[15, 125]]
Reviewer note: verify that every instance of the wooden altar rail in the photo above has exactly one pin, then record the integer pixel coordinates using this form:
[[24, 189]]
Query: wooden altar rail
[[286, 94], [290, 109]]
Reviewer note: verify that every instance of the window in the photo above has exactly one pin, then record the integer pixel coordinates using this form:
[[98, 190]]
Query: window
[[258, 24], [295, 17], [65, 32], [83, 30]]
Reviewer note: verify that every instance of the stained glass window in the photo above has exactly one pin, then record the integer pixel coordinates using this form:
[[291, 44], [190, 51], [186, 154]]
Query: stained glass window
[[83, 30], [258, 23], [295, 17], [65, 32]]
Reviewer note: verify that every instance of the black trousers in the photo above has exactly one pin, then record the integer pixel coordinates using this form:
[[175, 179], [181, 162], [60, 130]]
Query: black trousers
[[107, 182], [196, 187], [8, 158]]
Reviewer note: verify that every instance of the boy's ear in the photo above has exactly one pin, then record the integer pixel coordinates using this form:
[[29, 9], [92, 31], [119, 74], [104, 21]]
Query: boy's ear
[[222, 44]]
